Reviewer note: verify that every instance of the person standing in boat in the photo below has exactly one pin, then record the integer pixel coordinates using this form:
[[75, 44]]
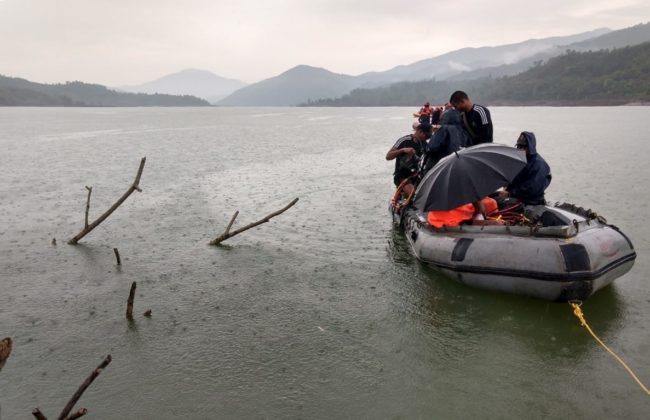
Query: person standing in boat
[[529, 185], [476, 118], [424, 115], [406, 152], [435, 115], [447, 139]]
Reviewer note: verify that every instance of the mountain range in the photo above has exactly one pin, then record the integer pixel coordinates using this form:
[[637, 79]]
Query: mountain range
[[304, 84], [605, 77]]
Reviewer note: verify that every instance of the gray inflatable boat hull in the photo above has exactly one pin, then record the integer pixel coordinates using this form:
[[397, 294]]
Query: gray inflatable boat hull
[[557, 263]]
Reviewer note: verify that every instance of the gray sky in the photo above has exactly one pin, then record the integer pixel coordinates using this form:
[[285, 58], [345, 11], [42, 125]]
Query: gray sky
[[118, 42]]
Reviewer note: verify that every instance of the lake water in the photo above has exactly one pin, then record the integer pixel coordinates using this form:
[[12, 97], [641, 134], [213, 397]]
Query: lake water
[[323, 312]]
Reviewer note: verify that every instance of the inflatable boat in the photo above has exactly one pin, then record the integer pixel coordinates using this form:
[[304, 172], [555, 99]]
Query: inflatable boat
[[569, 253]]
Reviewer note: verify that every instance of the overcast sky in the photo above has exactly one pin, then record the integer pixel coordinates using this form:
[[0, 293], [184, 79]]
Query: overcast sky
[[118, 42]]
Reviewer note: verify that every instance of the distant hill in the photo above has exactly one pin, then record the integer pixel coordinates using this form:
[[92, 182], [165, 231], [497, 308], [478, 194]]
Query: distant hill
[[299, 84], [606, 77], [199, 83], [305, 83], [20, 92], [631, 36], [467, 59]]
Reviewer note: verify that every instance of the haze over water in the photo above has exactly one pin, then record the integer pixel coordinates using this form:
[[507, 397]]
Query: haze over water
[[323, 312]]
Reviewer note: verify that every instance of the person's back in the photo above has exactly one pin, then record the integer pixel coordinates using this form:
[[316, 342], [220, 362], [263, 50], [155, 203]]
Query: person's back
[[449, 138], [435, 115], [529, 185]]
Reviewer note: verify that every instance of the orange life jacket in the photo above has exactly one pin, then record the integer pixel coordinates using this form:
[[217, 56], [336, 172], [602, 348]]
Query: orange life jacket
[[451, 217], [490, 205]]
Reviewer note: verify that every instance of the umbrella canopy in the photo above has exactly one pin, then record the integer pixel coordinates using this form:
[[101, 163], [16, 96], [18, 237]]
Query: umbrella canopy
[[468, 175]]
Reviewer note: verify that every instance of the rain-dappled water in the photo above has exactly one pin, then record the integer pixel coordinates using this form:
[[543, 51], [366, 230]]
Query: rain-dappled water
[[321, 313]]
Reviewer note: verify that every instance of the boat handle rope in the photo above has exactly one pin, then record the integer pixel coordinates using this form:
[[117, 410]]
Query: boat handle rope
[[577, 311]]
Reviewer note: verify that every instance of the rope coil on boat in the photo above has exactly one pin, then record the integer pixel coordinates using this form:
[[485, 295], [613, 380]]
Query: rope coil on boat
[[577, 311]]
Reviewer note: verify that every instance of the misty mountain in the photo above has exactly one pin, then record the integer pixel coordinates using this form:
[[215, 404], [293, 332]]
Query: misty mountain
[[20, 92], [634, 35], [603, 77], [297, 85], [199, 83], [304, 83], [467, 59]]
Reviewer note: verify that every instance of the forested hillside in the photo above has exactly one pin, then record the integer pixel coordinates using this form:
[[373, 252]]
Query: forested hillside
[[602, 77], [21, 92]]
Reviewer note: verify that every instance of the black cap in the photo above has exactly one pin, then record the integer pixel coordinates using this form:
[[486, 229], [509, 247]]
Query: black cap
[[426, 127]]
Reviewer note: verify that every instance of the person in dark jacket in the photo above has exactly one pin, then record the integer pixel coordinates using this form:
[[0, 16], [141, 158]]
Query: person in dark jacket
[[529, 185], [407, 152], [449, 138]]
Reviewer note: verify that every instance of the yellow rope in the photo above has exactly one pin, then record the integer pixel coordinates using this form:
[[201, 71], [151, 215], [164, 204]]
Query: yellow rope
[[578, 313]]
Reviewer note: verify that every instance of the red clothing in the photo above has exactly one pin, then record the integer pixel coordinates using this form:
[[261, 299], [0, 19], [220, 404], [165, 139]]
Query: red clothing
[[451, 217]]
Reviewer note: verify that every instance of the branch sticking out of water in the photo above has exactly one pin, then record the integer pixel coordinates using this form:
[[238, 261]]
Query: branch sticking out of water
[[129, 302], [227, 234], [37, 413], [117, 256], [65, 414], [84, 385], [90, 191], [89, 227], [5, 350]]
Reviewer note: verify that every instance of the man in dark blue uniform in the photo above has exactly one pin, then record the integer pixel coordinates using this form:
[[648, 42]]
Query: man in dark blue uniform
[[476, 118], [529, 184], [407, 151]]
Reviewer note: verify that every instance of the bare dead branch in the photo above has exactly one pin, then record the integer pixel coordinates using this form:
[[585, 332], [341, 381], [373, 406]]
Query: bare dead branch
[[90, 191], [5, 350], [234, 216], [129, 302], [37, 413], [117, 256], [79, 413], [134, 187], [89, 380], [227, 234]]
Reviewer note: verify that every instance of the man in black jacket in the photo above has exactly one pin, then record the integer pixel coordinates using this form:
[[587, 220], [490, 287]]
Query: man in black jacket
[[529, 185], [476, 118], [407, 151]]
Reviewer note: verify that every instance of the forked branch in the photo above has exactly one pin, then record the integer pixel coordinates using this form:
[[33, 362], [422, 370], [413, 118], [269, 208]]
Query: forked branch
[[65, 414], [89, 227], [228, 234]]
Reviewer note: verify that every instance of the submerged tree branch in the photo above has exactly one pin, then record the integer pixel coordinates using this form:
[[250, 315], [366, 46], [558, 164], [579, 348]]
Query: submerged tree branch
[[117, 256], [129, 302], [227, 234], [37, 413], [5, 350], [90, 191], [89, 380], [65, 414], [89, 227]]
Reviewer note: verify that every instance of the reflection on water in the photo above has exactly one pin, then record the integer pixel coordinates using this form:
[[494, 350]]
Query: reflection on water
[[321, 313]]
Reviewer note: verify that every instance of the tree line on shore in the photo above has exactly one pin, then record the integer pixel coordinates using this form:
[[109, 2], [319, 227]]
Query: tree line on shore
[[20, 92]]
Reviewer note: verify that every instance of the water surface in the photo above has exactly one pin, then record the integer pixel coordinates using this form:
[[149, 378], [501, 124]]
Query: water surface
[[321, 313]]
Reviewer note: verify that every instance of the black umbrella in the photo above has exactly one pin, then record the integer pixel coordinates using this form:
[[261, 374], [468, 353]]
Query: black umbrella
[[468, 175]]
